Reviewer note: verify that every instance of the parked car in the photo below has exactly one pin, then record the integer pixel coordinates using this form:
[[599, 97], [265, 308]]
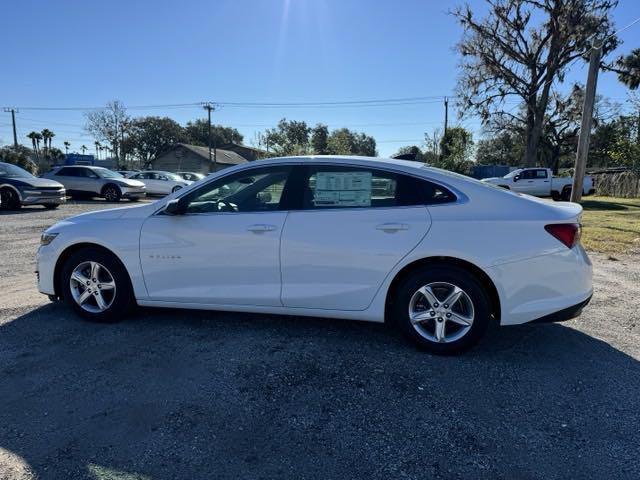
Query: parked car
[[159, 182], [18, 187], [540, 182], [191, 176], [439, 255], [127, 173], [96, 182]]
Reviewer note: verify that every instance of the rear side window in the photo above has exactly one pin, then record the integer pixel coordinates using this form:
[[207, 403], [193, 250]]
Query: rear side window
[[356, 187], [68, 172]]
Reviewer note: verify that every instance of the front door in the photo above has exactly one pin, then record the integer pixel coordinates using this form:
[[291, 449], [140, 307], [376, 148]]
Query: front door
[[225, 248], [354, 226]]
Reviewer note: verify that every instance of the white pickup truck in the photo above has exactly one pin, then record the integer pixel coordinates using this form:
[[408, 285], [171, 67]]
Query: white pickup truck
[[541, 183]]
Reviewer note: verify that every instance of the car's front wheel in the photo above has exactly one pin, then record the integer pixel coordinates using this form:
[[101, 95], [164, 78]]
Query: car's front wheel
[[9, 199], [96, 285], [442, 309], [111, 193]]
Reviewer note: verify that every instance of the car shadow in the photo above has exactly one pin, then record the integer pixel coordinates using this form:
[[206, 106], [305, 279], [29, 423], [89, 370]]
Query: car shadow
[[600, 205], [190, 394]]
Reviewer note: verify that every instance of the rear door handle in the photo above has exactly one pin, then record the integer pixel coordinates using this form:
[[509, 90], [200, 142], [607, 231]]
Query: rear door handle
[[392, 227], [261, 228]]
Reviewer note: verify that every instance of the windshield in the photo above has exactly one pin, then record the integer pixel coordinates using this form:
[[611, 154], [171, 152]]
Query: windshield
[[105, 173], [513, 174], [8, 170]]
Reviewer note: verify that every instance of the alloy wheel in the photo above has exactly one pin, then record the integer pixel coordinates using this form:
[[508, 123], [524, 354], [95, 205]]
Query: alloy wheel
[[441, 312], [92, 286], [110, 194]]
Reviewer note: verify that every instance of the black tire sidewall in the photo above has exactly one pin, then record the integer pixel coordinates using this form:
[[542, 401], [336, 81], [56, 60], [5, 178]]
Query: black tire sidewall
[[450, 274], [123, 300]]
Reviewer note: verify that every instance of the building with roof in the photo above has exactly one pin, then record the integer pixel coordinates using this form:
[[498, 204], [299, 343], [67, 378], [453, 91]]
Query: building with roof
[[183, 157], [250, 153]]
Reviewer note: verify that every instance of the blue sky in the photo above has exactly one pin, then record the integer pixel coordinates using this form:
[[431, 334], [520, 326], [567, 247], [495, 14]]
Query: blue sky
[[84, 53]]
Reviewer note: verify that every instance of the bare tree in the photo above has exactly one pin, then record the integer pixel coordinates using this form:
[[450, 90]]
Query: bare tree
[[520, 49], [106, 124]]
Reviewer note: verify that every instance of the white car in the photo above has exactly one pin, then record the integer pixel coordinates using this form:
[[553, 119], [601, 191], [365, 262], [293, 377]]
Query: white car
[[540, 182], [159, 182], [437, 254]]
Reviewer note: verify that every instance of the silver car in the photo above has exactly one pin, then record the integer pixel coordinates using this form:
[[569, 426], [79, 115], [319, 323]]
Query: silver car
[[81, 180]]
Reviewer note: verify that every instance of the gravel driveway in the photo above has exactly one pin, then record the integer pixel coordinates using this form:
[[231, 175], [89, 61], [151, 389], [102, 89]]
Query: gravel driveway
[[184, 394]]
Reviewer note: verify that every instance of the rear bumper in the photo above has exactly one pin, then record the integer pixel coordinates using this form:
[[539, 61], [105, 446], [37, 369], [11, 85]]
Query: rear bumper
[[564, 314], [543, 286]]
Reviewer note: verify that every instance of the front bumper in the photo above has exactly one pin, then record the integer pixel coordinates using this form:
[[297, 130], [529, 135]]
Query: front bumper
[[133, 193], [34, 196]]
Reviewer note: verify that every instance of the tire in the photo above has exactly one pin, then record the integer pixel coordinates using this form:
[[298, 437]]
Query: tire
[[566, 194], [116, 301], [555, 196], [506, 187], [176, 188], [9, 200], [51, 206], [471, 307], [111, 193]]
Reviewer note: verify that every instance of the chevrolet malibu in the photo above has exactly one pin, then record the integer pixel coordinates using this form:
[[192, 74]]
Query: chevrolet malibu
[[437, 255]]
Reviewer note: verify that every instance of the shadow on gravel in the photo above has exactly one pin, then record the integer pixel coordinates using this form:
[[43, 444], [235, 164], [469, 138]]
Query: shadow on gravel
[[184, 394]]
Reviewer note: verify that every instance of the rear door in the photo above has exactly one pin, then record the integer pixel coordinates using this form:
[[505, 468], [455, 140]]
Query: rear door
[[352, 226], [69, 177], [541, 182]]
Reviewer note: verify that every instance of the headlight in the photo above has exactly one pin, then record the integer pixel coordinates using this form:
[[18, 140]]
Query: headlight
[[47, 238]]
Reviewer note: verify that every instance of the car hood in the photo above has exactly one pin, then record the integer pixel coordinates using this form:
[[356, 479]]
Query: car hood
[[128, 182], [32, 182], [131, 211]]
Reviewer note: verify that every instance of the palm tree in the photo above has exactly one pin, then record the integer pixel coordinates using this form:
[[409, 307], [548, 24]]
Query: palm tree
[[38, 137], [46, 137], [83, 148], [32, 136], [97, 144], [66, 147]]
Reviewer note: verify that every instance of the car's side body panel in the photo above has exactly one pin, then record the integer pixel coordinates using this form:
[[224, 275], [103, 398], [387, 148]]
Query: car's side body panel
[[499, 232]]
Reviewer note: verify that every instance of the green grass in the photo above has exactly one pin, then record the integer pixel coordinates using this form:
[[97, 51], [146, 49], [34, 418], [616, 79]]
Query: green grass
[[611, 225]]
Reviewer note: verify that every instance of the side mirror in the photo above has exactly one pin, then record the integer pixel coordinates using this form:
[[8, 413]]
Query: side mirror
[[516, 178], [174, 207]]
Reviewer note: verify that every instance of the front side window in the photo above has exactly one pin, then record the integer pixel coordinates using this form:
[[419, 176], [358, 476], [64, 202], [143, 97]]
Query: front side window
[[357, 187], [257, 190]]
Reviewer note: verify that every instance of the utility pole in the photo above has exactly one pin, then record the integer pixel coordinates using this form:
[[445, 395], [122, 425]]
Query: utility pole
[[209, 108], [585, 125], [446, 114], [13, 121]]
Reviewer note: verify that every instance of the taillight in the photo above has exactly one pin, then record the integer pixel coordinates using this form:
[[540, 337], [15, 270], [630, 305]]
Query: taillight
[[567, 233]]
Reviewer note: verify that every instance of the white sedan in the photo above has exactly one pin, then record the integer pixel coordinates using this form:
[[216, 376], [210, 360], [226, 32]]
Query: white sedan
[[436, 254], [159, 182]]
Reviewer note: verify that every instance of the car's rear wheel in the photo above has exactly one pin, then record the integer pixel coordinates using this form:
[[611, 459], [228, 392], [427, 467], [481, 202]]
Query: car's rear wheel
[[50, 206], [442, 309], [96, 285], [111, 193], [176, 188], [9, 199], [566, 194]]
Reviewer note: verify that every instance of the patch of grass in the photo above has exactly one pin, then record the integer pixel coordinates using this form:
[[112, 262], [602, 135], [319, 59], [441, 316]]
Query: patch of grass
[[611, 225]]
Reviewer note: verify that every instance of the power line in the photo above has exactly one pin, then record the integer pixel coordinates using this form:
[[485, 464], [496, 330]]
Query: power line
[[343, 103]]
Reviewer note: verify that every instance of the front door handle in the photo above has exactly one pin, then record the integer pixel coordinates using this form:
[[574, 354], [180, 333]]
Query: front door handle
[[261, 228], [392, 227]]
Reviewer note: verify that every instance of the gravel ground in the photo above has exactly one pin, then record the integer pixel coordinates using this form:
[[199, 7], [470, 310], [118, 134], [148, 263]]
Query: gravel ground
[[183, 394]]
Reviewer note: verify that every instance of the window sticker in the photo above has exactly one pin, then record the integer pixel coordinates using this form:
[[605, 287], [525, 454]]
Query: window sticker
[[342, 189]]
